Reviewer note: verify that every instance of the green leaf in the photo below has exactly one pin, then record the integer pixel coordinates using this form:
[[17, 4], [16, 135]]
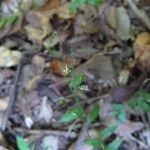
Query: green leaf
[[94, 2], [118, 107], [21, 143], [10, 20], [104, 134], [114, 145], [119, 112], [140, 102], [76, 81], [93, 114], [35, 5], [2, 22], [32, 147], [96, 143], [76, 4], [121, 116], [72, 115]]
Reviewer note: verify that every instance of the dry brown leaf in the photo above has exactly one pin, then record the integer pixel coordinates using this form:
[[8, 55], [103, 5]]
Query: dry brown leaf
[[142, 51], [49, 5], [62, 68], [31, 85], [64, 13], [110, 14], [35, 35]]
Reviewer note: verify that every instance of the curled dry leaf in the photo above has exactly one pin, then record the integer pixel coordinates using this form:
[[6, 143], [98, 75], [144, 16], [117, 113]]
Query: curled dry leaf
[[9, 58], [142, 51], [62, 68]]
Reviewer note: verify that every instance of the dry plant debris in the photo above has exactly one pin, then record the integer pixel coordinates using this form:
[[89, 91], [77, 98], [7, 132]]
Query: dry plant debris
[[75, 75]]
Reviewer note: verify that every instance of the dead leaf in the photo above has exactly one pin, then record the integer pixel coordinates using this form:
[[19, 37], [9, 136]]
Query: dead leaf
[[63, 68], [3, 103], [39, 62], [100, 66], [35, 35], [142, 51], [32, 84], [50, 142], [126, 92], [49, 5], [128, 127], [63, 12], [110, 14], [45, 112], [123, 77], [9, 58], [5, 74], [123, 24]]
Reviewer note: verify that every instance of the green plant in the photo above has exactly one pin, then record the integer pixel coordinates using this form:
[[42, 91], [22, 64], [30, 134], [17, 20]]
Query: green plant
[[102, 136], [10, 20], [77, 3], [22, 144], [141, 101], [77, 112]]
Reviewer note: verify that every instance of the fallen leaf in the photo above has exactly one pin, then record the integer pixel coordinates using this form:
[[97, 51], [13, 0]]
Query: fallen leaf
[[9, 58], [35, 35], [63, 68], [123, 77], [123, 24], [3, 104], [110, 14], [49, 5], [100, 66], [142, 51], [126, 92], [128, 127], [32, 84], [39, 62], [45, 113], [50, 142]]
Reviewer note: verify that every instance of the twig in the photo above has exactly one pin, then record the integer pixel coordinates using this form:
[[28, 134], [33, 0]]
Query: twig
[[82, 137], [52, 132], [12, 97], [141, 15]]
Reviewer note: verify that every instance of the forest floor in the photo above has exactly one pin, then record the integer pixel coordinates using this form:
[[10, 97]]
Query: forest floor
[[75, 75]]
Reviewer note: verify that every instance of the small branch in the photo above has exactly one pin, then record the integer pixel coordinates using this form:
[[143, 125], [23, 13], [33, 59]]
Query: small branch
[[12, 97], [52, 132], [140, 14]]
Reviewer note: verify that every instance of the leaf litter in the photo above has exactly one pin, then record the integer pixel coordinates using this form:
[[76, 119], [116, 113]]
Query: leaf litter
[[72, 71]]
